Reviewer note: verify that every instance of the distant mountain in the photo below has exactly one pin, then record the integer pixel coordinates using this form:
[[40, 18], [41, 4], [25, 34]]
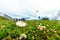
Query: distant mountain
[[5, 15], [27, 18], [1, 14]]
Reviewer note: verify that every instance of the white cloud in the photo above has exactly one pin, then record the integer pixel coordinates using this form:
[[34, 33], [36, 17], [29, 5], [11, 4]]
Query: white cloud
[[19, 7]]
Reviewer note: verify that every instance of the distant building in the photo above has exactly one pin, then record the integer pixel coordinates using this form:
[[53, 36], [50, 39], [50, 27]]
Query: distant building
[[16, 19], [45, 18], [23, 19], [39, 17]]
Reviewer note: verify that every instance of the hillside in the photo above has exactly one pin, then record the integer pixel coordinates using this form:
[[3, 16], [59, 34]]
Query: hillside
[[9, 31]]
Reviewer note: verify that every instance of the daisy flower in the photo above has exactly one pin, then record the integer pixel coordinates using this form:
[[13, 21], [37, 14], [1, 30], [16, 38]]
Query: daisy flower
[[22, 36]]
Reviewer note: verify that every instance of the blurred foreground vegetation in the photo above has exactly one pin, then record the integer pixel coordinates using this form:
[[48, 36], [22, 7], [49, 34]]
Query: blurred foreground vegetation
[[9, 30]]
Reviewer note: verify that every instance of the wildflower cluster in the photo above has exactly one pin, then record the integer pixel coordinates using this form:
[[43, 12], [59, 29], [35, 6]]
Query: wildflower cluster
[[35, 30]]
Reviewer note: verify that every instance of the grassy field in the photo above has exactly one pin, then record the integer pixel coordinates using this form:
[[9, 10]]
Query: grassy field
[[9, 30]]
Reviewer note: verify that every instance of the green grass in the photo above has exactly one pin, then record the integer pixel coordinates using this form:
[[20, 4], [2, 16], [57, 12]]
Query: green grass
[[9, 31]]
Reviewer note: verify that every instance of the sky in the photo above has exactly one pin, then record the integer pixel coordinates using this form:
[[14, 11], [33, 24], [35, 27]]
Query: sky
[[27, 8]]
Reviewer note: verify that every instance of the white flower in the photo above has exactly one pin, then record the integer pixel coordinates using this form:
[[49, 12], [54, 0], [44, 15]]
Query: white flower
[[53, 30], [41, 27], [22, 36], [21, 24]]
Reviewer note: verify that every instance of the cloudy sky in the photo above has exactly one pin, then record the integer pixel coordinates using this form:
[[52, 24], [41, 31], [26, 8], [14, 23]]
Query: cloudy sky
[[27, 8]]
